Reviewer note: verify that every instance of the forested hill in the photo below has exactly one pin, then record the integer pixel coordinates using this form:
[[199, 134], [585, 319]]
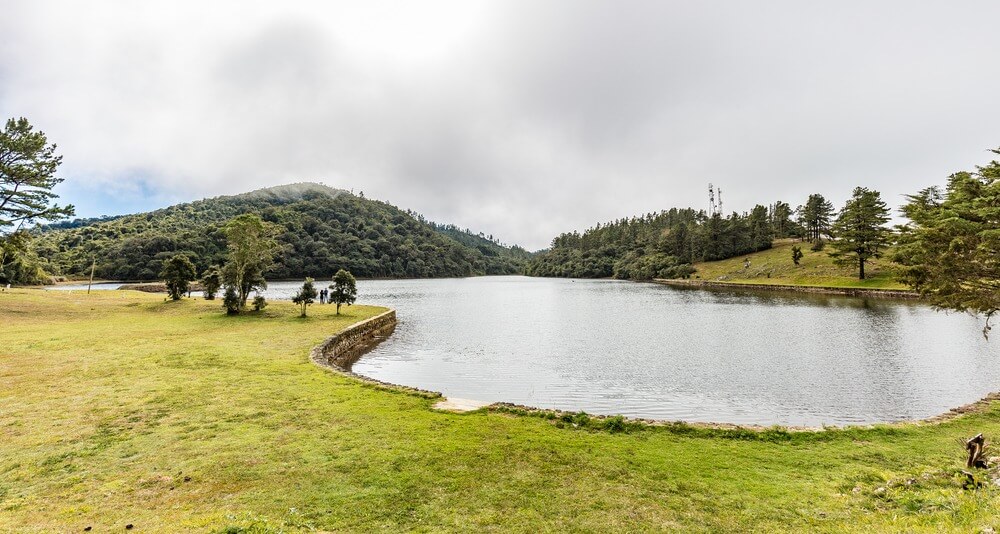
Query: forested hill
[[325, 229], [662, 245]]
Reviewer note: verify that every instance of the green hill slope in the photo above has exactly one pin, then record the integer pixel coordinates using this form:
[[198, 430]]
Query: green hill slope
[[775, 266], [325, 229]]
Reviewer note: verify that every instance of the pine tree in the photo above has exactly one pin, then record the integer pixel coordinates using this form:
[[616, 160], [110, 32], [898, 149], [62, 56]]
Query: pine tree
[[951, 244], [28, 164], [860, 232], [815, 216]]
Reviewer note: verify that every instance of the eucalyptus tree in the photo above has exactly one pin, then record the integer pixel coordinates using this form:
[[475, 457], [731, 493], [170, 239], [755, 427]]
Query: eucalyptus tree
[[252, 245]]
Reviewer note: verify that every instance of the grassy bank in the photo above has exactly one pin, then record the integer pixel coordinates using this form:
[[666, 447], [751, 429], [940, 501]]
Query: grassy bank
[[119, 408], [775, 266]]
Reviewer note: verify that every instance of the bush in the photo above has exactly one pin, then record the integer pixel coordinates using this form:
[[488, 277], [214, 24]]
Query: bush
[[615, 424], [231, 301], [818, 245], [211, 282], [259, 303]]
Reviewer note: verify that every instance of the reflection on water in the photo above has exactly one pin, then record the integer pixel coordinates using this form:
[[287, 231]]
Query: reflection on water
[[646, 350]]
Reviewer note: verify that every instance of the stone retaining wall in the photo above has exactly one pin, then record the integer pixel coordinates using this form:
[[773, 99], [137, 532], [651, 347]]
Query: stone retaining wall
[[339, 352]]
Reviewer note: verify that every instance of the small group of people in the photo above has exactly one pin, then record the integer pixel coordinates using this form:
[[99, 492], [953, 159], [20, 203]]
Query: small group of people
[[324, 296]]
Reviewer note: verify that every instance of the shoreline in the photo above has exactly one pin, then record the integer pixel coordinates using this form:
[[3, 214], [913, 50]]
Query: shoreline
[[899, 294], [339, 351]]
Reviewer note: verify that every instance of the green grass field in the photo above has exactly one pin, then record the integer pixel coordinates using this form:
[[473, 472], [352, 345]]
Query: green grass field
[[119, 408], [814, 269]]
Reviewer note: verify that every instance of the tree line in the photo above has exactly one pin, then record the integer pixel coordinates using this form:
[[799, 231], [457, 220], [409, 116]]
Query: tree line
[[666, 244]]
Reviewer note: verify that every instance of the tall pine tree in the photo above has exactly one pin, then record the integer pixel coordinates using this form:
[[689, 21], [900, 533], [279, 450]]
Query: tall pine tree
[[860, 232]]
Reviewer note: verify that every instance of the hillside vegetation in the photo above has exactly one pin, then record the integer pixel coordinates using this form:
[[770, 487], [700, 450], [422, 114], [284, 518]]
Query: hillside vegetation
[[324, 230], [657, 245], [816, 268], [191, 421]]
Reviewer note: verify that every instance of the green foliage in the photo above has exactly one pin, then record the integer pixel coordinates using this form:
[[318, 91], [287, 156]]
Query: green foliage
[[259, 303], [860, 230], [815, 217], [344, 289], [27, 175], [818, 245], [498, 258], [321, 230], [178, 273], [252, 246], [306, 295], [796, 254], [636, 266], [657, 245], [782, 223], [951, 245], [211, 281], [231, 301], [19, 265]]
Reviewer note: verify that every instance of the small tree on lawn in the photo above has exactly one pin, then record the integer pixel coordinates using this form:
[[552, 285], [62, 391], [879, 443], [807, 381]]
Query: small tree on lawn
[[211, 281], [231, 301], [796, 254], [178, 272], [306, 295], [344, 289], [252, 245]]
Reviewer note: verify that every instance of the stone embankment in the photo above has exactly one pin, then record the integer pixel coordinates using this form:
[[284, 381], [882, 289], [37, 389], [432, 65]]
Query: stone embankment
[[339, 352], [845, 291]]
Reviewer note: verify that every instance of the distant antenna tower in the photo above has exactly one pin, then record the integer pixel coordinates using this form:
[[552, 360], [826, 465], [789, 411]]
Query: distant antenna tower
[[711, 200], [720, 200]]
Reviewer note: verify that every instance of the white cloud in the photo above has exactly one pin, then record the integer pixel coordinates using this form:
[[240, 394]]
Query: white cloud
[[521, 119]]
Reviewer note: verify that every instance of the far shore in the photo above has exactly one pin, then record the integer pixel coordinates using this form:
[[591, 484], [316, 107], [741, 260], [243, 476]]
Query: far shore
[[800, 288]]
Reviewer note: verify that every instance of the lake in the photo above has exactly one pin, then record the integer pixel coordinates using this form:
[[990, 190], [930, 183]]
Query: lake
[[646, 350]]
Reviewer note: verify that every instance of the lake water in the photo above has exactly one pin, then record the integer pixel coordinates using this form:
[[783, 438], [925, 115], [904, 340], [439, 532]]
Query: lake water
[[645, 350]]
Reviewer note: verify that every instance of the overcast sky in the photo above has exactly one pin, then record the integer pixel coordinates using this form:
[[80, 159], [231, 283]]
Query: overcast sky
[[522, 119]]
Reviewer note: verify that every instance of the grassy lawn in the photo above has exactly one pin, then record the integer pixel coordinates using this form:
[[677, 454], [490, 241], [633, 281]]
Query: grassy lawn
[[118, 408], [814, 269]]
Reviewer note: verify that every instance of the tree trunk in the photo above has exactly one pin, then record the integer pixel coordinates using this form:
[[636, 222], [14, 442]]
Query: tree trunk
[[338, 308], [861, 276]]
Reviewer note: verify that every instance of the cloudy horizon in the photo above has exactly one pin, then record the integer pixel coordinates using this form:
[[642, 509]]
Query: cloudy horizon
[[519, 119]]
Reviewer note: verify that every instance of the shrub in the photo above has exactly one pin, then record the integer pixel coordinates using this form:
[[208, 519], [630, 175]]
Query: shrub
[[615, 424], [231, 301]]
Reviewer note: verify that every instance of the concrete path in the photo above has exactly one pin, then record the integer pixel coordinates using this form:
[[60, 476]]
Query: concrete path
[[459, 405]]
